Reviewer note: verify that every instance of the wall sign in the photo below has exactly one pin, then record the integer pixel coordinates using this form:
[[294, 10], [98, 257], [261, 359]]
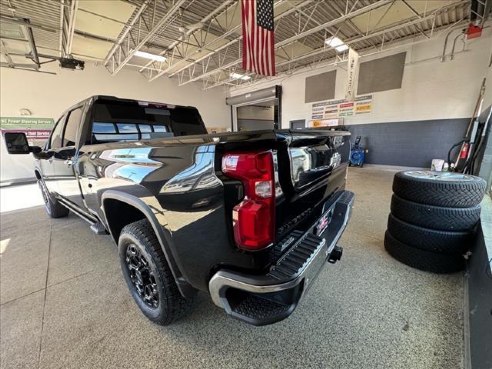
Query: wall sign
[[317, 123], [332, 109], [34, 128], [352, 74]]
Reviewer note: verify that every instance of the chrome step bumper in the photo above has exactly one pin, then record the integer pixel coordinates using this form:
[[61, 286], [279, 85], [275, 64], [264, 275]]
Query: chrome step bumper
[[269, 298]]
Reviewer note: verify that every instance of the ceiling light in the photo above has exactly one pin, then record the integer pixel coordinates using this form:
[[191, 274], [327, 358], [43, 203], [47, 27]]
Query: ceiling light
[[341, 48], [240, 76], [143, 54], [337, 44]]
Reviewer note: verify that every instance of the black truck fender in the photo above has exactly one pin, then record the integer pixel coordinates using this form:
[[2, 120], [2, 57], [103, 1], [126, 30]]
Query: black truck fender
[[161, 233]]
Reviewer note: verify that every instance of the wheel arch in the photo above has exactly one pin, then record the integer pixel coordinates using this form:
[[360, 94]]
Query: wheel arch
[[115, 203]]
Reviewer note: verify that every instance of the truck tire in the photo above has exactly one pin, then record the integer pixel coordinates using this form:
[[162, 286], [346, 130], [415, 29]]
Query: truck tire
[[435, 217], [453, 190], [148, 275], [429, 239], [421, 259], [52, 206]]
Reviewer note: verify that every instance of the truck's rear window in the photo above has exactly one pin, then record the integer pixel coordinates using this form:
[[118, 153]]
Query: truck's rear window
[[114, 132], [131, 121]]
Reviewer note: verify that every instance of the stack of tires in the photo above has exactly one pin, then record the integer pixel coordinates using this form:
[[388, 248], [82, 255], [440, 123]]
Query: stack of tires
[[433, 219]]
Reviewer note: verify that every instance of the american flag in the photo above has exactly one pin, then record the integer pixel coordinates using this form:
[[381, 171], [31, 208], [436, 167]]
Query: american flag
[[258, 36]]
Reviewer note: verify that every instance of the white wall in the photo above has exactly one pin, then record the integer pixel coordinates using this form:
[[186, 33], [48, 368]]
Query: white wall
[[430, 89], [47, 96], [487, 101]]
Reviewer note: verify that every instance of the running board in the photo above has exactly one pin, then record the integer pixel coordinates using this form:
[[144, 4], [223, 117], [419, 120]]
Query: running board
[[96, 226]]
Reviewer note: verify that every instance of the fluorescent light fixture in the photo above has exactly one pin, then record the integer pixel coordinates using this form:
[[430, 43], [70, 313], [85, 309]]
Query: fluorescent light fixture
[[240, 76], [337, 44], [341, 48], [143, 54]]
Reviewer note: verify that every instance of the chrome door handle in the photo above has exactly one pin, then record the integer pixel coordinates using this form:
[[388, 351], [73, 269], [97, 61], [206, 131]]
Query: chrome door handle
[[68, 162]]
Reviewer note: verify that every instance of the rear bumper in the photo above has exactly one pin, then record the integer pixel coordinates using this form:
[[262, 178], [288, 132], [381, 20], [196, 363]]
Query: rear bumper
[[269, 298]]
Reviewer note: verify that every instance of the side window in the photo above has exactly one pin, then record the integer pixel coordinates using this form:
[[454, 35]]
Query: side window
[[72, 127], [56, 134]]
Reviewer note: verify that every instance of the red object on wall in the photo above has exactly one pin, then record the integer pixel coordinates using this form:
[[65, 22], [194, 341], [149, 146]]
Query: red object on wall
[[464, 150], [473, 31]]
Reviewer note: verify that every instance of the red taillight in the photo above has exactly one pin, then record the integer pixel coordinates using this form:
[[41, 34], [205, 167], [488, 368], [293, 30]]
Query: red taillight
[[254, 217]]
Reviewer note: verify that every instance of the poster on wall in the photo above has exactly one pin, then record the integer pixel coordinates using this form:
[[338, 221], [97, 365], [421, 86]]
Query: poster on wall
[[37, 130], [317, 123], [332, 109]]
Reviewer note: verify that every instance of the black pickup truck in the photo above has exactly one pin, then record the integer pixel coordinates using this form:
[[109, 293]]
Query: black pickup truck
[[248, 217]]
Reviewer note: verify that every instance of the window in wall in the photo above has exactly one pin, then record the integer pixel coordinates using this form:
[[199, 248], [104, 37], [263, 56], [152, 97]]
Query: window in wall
[[72, 127], [381, 74]]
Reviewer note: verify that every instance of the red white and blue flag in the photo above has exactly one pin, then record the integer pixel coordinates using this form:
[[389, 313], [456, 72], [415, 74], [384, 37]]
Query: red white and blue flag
[[258, 36]]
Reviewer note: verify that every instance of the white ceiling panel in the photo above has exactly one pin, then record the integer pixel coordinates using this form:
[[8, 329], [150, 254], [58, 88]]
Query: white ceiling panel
[[383, 16], [89, 48], [103, 18]]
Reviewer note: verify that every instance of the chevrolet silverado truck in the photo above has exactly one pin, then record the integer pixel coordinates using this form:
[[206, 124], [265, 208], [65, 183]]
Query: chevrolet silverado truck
[[250, 218]]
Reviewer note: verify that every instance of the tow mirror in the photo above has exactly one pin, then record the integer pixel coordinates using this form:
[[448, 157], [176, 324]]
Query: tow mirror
[[17, 144]]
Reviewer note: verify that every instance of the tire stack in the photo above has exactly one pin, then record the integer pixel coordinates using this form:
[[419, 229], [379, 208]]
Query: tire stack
[[433, 219]]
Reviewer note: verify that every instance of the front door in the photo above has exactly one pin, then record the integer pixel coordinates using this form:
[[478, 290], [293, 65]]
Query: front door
[[46, 165], [64, 157]]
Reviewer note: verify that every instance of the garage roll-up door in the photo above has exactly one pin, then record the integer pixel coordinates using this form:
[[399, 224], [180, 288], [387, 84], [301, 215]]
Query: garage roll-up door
[[255, 96]]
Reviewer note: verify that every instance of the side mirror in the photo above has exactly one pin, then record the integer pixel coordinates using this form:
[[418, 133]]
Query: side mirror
[[16, 143]]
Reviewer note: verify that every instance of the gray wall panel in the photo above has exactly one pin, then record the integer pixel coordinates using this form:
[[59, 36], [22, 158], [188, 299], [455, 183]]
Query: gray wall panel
[[320, 87], [412, 144], [381, 74]]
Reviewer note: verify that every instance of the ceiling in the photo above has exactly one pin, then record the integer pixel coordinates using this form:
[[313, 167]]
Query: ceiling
[[201, 39]]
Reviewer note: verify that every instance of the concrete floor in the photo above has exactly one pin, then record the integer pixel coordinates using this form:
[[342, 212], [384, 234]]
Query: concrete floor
[[64, 304]]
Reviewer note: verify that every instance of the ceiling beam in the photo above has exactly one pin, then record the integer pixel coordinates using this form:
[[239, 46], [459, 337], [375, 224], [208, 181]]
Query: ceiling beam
[[62, 22], [355, 40], [67, 19], [125, 32], [290, 40], [224, 36], [374, 34], [71, 25], [152, 65], [127, 46], [232, 42]]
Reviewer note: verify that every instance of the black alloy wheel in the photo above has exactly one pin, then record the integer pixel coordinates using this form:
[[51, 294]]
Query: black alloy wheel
[[142, 276], [148, 276]]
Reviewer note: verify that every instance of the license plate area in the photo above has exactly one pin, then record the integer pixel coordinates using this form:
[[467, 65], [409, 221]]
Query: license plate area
[[323, 222]]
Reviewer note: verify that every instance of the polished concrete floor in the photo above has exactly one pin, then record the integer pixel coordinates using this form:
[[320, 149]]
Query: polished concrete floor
[[64, 304]]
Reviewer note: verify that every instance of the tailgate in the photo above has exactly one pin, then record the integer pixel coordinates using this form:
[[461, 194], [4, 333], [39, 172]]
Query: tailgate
[[312, 167]]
